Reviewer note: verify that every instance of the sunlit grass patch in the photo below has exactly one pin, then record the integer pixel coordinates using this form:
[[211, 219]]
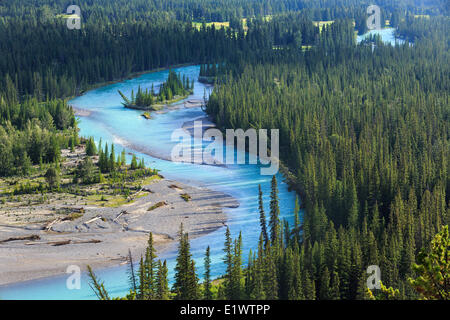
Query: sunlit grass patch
[[157, 205], [321, 24], [217, 25], [148, 180], [186, 197], [104, 200]]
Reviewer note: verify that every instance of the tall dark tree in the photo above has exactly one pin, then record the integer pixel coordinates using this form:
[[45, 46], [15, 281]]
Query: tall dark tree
[[207, 279], [262, 216], [274, 222]]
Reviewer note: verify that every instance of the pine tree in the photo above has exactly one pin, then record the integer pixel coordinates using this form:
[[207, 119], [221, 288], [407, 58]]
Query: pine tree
[[296, 230], [258, 292], [271, 277], [149, 270], [142, 282], [123, 159], [274, 222], [192, 282], [91, 150], [112, 159], [324, 291], [228, 259], [134, 164], [131, 273], [334, 287], [308, 287], [433, 269], [162, 283], [236, 277], [97, 286], [207, 281], [262, 216], [186, 280], [182, 267]]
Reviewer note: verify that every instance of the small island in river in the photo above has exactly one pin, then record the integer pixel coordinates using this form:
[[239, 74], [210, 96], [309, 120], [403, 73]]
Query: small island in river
[[174, 89]]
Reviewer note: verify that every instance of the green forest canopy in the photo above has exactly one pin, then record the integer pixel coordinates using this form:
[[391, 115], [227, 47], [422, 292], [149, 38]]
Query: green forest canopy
[[364, 133]]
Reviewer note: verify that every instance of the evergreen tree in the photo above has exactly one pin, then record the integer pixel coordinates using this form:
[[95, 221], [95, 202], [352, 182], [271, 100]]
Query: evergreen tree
[[134, 164], [162, 283], [274, 222], [149, 267], [433, 269], [131, 273], [91, 149], [262, 216], [207, 281], [228, 259], [236, 277], [186, 281]]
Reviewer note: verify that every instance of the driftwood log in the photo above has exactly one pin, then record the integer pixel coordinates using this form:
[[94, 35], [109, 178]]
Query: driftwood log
[[66, 242], [33, 237]]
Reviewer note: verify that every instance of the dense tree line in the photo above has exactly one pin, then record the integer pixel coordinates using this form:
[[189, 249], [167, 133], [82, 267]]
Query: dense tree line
[[97, 53], [44, 59], [286, 266], [33, 133], [363, 130], [209, 10], [415, 28], [175, 85], [365, 133]]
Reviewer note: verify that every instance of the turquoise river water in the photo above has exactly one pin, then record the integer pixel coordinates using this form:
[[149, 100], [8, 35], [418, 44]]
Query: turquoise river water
[[128, 130]]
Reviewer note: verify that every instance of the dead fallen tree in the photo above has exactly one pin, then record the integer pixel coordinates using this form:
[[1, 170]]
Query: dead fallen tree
[[51, 224], [66, 242], [134, 195], [93, 219], [33, 237], [119, 215], [157, 205], [72, 214]]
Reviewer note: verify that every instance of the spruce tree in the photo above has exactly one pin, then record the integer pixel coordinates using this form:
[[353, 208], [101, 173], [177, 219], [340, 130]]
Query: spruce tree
[[112, 159], [274, 222], [192, 282], [228, 259], [258, 292], [262, 216], [186, 280], [150, 265], [162, 282], [181, 268], [131, 273], [297, 226], [142, 282], [134, 164], [91, 149], [236, 277], [207, 281]]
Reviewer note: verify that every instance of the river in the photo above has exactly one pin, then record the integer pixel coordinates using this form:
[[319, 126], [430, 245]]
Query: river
[[128, 130], [387, 36]]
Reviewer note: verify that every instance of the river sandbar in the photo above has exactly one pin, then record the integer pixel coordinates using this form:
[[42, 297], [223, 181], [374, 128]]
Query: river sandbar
[[103, 236]]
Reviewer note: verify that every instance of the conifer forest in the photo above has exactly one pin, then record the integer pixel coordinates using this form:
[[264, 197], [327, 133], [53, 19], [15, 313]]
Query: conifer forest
[[364, 142]]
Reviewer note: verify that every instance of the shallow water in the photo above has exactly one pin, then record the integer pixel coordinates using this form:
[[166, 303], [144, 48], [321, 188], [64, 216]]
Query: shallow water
[[387, 36], [128, 130]]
